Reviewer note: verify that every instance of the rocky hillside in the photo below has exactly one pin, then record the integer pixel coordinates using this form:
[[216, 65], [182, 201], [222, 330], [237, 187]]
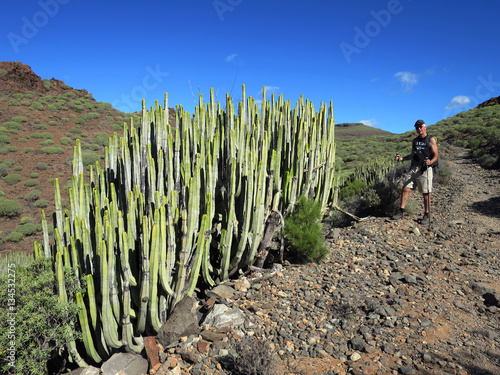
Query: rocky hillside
[[40, 119]]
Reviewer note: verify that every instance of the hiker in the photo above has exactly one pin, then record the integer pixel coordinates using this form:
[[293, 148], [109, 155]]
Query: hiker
[[424, 156]]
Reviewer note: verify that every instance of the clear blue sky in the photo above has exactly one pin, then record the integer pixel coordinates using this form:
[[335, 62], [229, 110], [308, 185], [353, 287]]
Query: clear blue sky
[[386, 63]]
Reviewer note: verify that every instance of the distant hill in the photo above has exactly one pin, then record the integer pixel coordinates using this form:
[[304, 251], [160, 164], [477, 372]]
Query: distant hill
[[358, 129], [40, 119]]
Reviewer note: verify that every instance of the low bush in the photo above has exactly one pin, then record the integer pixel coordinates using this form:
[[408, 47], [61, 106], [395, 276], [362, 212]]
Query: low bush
[[26, 219], [101, 139], [47, 142], [13, 126], [32, 196], [41, 203], [34, 175], [92, 115], [37, 106], [66, 141], [9, 207], [12, 178], [14, 236], [41, 166], [19, 119], [27, 150], [27, 229], [254, 357], [31, 182], [47, 84], [43, 324], [89, 158], [51, 150], [4, 138], [17, 168], [8, 162], [39, 126], [303, 231]]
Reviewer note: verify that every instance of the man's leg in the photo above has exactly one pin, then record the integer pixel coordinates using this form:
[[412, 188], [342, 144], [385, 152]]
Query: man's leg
[[404, 197], [427, 203]]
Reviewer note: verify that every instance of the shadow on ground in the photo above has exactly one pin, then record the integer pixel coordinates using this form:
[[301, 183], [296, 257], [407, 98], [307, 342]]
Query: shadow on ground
[[490, 207]]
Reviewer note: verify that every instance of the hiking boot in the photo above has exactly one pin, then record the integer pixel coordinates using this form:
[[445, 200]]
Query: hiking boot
[[426, 219], [400, 215]]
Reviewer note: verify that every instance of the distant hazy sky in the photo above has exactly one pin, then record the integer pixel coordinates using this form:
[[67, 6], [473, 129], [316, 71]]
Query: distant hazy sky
[[385, 63]]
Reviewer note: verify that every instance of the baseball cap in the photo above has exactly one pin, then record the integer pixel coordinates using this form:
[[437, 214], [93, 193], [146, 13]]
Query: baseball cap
[[419, 123]]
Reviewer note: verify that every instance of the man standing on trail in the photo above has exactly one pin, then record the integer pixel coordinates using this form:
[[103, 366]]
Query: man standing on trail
[[424, 155]]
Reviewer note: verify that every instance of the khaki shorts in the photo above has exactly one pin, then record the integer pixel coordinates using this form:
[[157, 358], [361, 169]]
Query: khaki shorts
[[416, 178]]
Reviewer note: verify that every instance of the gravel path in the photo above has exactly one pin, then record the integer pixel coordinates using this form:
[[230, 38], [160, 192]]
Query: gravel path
[[392, 297]]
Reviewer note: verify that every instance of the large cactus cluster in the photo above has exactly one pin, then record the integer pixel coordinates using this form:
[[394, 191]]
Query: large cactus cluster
[[179, 206]]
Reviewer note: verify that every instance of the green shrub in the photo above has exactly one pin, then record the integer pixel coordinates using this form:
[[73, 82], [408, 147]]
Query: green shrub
[[75, 130], [29, 94], [66, 141], [41, 166], [8, 162], [9, 208], [19, 119], [116, 127], [12, 148], [42, 323], [4, 138], [32, 196], [17, 168], [26, 103], [303, 231], [101, 139], [39, 126], [34, 175], [17, 96], [92, 115], [89, 158], [47, 142], [488, 161], [23, 139], [53, 123], [13, 126], [31, 182], [26, 219], [41, 203], [352, 188], [37, 106], [12, 178], [2, 72], [47, 84], [51, 150], [28, 150], [79, 121], [14, 237], [27, 229]]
